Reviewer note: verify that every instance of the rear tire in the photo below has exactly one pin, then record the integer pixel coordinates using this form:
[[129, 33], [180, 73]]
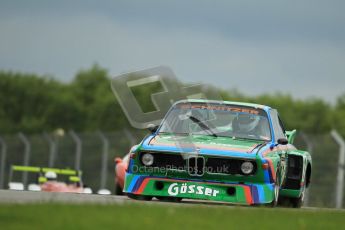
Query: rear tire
[[118, 189], [298, 202], [276, 192]]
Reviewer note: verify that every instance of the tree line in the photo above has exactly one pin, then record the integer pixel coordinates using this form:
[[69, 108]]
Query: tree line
[[32, 103]]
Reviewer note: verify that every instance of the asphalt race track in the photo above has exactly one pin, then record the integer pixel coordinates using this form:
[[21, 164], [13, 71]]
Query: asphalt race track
[[8, 196], [26, 197]]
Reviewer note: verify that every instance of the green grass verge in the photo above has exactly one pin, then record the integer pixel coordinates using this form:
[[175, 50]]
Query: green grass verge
[[154, 216]]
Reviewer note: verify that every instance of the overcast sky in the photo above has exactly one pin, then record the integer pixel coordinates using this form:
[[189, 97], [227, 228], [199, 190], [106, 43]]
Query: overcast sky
[[292, 46]]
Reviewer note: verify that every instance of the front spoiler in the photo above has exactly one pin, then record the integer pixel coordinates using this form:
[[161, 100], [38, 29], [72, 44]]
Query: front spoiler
[[248, 193]]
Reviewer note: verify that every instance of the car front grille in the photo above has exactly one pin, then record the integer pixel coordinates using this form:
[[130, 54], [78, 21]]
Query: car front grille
[[226, 165], [199, 165], [294, 172], [196, 165], [168, 160]]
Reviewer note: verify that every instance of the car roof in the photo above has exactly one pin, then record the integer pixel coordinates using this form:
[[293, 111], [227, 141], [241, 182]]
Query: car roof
[[253, 105]]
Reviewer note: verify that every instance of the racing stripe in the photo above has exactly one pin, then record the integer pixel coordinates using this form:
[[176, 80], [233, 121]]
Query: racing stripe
[[267, 176], [248, 194], [255, 194], [138, 183], [130, 165], [261, 193], [142, 186], [204, 146], [131, 185], [272, 171]]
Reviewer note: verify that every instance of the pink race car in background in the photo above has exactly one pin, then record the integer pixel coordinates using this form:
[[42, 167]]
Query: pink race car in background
[[121, 165], [48, 180], [52, 185]]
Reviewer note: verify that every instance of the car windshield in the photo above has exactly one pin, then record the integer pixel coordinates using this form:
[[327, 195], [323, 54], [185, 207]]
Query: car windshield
[[217, 120]]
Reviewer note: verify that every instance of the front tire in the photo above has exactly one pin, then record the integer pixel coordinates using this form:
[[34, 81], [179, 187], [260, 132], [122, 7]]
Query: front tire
[[139, 197], [276, 192], [169, 199]]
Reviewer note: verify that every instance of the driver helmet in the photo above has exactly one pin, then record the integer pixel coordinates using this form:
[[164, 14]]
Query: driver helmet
[[245, 122], [50, 175]]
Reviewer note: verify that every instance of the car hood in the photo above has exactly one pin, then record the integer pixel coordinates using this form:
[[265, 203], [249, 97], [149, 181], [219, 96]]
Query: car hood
[[202, 144]]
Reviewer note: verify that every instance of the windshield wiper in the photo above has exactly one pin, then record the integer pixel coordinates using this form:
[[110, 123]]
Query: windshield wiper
[[202, 125], [172, 133], [245, 138]]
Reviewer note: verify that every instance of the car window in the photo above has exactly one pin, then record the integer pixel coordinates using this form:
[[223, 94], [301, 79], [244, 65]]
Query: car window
[[221, 120], [277, 125], [281, 124]]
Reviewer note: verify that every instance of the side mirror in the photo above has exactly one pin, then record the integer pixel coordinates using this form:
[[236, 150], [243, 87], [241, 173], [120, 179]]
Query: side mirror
[[117, 160], [283, 141], [153, 128], [291, 135]]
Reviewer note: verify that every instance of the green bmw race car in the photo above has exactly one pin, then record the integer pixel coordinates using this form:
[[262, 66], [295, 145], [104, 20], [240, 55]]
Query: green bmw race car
[[219, 151]]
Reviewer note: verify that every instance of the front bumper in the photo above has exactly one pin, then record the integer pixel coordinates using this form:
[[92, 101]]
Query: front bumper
[[247, 193]]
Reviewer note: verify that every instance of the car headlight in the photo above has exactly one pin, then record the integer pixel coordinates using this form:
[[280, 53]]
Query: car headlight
[[147, 159], [247, 167]]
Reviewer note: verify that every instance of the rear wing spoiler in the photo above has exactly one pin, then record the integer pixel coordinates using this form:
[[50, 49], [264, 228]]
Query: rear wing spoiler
[[67, 172], [74, 175]]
